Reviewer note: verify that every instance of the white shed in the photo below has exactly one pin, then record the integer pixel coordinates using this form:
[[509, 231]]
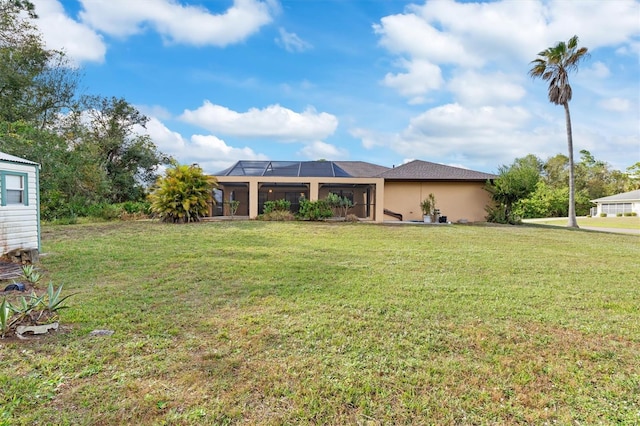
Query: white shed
[[19, 204]]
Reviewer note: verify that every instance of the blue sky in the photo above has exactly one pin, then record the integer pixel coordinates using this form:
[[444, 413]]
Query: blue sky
[[384, 81]]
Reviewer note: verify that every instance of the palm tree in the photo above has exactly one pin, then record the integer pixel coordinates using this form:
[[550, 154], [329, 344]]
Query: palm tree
[[554, 65]]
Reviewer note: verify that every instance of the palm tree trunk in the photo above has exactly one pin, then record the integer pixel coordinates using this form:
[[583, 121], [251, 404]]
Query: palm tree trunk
[[573, 223]]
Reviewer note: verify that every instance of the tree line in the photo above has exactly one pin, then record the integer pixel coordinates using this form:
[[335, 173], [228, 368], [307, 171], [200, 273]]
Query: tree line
[[531, 187], [88, 145], [92, 155]]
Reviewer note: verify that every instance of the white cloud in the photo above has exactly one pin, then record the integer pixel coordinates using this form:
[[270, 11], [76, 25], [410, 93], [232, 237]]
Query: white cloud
[[318, 150], [454, 134], [411, 35], [79, 42], [473, 88], [369, 138], [291, 42], [178, 23], [273, 122], [459, 38], [210, 152], [616, 104], [597, 70], [422, 77]]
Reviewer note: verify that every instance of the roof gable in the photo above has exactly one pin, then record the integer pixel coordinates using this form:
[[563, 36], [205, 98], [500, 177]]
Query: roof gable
[[425, 170], [625, 196], [13, 159]]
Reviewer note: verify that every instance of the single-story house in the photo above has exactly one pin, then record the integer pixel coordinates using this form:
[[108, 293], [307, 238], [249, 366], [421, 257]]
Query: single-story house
[[379, 193], [19, 205], [627, 202]]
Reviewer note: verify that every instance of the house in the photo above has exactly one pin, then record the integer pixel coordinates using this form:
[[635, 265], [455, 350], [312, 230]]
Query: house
[[378, 193], [627, 202], [19, 206]]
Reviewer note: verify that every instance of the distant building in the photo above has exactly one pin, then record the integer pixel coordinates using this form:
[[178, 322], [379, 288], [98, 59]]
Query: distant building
[[378, 193], [627, 202]]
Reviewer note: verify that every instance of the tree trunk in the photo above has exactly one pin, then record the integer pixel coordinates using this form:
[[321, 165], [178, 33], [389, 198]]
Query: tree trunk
[[573, 223]]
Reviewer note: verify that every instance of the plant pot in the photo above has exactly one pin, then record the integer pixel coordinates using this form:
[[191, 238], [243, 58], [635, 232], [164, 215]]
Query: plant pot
[[426, 218]]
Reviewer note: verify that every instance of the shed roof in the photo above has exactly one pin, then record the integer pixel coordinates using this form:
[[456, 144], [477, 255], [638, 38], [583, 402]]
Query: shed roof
[[425, 170], [625, 196], [12, 158]]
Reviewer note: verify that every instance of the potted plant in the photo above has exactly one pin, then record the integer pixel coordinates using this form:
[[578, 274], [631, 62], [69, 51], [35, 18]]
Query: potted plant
[[426, 205], [429, 211]]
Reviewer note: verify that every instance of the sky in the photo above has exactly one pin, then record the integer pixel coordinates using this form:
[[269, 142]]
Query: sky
[[382, 81]]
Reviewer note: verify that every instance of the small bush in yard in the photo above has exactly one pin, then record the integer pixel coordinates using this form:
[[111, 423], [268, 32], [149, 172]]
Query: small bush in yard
[[182, 194], [314, 210], [278, 205]]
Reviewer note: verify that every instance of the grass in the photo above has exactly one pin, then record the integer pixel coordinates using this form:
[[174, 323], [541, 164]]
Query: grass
[[312, 323], [628, 222]]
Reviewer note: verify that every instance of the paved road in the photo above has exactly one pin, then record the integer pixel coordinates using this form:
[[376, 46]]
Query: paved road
[[613, 230]]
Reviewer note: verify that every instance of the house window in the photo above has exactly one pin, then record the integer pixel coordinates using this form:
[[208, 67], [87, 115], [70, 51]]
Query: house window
[[14, 189], [615, 208]]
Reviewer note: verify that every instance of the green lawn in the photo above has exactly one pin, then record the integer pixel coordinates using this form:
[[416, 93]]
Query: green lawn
[[312, 323]]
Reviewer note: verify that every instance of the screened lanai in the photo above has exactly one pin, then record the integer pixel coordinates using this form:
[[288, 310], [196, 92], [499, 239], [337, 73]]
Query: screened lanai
[[252, 183]]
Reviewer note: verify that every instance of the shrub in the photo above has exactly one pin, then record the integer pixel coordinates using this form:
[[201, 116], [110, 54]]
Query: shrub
[[314, 210], [339, 205], [278, 205], [105, 211], [143, 207], [603, 215], [618, 214], [182, 194]]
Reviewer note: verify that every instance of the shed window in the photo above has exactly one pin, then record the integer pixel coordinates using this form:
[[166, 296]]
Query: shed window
[[14, 189]]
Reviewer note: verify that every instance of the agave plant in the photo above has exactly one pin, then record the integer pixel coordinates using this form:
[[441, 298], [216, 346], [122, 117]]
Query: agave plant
[[5, 315], [30, 274], [54, 301]]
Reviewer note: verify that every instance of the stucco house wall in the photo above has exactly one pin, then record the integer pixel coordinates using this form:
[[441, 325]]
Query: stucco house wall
[[19, 218], [456, 200]]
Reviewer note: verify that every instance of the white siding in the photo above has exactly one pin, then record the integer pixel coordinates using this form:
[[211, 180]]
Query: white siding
[[19, 223]]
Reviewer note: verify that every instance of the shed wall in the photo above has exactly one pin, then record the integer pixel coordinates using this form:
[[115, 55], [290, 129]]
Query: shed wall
[[19, 223]]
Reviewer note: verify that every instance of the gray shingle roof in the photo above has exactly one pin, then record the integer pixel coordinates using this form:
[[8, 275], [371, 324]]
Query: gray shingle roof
[[415, 170], [361, 169], [425, 170], [625, 196], [12, 158]]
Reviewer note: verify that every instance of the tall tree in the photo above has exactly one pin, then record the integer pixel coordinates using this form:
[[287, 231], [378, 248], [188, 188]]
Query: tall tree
[[514, 183], [110, 128], [35, 83], [554, 65]]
